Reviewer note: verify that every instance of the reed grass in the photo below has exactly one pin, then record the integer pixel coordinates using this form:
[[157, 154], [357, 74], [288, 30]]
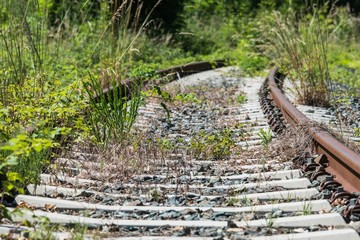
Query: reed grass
[[112, 115], [299, 46]]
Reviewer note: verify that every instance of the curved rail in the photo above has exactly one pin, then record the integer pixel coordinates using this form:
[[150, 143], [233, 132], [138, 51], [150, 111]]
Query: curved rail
[[166, 75], [195, 187], [343, 163]]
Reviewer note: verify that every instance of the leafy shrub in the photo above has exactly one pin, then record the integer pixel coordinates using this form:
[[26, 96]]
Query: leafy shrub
[[36, 119]]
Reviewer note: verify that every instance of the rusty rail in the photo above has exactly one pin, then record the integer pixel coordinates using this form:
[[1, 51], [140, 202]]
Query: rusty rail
[[166, 75], [343, 163], [192, 68]]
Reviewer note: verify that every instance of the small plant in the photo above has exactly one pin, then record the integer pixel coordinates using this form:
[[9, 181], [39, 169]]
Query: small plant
[[357, 132], [241, 98], [265, 137], [156, 195], [165, 96], [166, 146], [270, 221], [216, 145], [307, 208], [187, 98], [244, 200], [232, 192], [78, 232], [233, 202], [44, 229]]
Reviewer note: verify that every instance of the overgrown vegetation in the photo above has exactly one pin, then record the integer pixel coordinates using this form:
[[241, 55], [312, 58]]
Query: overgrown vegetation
[[55, 55], [112, 115], [217, 145], [299, 46]]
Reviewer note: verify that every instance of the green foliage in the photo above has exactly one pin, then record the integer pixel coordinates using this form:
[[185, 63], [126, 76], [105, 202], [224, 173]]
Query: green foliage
[[344, 65], [265, 137], [143, 72], [165, 96], [35, 119], [241, 98], [299, 47], [357, 132], [187, 98], [28, 155], [233, 202], [165, 144], [44, 229], [112, 114], [207, 30], [307, 208], [11, 182], [270, 221], [216, 145]]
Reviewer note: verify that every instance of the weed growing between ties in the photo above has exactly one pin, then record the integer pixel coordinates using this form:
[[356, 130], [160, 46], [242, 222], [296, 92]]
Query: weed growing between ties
[[296, 143], [265, 137], [216, 145], [112, 114]]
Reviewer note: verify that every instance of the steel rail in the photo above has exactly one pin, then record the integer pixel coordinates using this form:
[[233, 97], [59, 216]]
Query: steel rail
[[343, 163], [165, 76]]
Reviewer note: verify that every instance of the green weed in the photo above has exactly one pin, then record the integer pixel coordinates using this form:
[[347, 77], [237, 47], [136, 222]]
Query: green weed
[[112, 114], [299, 47], [232, 202], [217, 145], [270, 222], [44, 229], [357, 132], [265, 137], [307, 208], [241, 99], [244, 200], [187, 98]]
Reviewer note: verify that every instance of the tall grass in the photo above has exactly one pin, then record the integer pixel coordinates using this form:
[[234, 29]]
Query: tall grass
[[112, 115], [37, 49], [299, 46], [19, 46], [40, 59]]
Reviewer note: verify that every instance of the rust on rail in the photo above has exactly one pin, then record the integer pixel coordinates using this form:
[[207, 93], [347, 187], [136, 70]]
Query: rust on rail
[[344, 163], [166, 75]]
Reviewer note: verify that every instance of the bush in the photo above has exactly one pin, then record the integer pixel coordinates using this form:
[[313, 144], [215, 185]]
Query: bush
[[299, 47], [35, 120]]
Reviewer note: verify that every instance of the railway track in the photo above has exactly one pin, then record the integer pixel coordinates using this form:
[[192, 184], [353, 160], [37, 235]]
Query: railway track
[[205, 169]]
